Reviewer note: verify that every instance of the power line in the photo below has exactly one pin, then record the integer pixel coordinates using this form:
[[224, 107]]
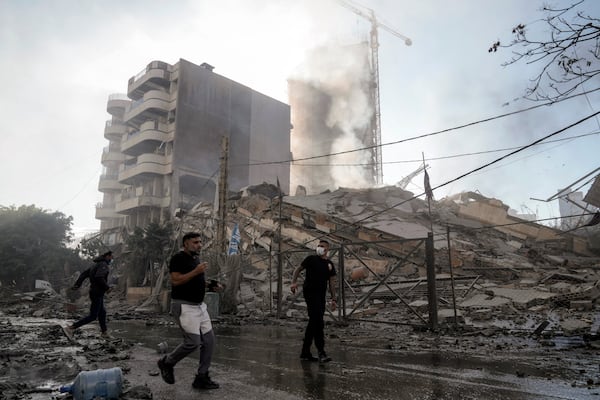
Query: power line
[[445, 157], [435, 133], [454, 180], [95, 176], [530, 222], [483, 166]]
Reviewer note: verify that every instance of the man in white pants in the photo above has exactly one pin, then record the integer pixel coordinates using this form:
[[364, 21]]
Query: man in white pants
[[187, 306]]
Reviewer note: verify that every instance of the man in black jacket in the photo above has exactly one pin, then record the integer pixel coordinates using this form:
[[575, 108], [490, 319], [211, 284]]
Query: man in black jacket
[[188, 286], [98, 276]]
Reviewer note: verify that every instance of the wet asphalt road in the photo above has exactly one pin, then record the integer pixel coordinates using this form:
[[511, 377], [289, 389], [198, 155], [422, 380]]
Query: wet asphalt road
[[258, 362]]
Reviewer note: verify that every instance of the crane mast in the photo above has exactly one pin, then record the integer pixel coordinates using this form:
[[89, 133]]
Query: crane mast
[[376, 119]]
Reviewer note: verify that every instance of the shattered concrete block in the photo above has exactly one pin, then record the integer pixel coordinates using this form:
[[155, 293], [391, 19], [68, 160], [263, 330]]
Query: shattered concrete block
[[513, 243], [524, 298], [527, 282], [573, 325], [581, 305], [323, 228], [378, 303], [483, 314], [420, 305], [247, 293], [592, 293], [561, 287], [567, 297], [136, 295], [480, 301], [447, 316], [538, 308], [244, 212]]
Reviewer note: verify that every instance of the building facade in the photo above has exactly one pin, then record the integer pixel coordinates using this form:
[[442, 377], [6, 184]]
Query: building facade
[[165, 139]]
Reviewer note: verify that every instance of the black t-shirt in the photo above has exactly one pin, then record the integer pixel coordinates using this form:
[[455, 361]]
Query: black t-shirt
[[318, 272], [194, 289]]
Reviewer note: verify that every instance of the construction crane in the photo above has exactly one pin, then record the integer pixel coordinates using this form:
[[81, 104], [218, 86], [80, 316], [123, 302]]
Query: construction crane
[[369, 15]]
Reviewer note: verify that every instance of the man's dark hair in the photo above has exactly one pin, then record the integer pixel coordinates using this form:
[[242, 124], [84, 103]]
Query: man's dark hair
[[190, 235], [102, 257], [324, 241]]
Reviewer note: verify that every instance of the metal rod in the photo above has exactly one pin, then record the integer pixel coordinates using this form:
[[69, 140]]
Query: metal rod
[[431, 294], [452, 277]]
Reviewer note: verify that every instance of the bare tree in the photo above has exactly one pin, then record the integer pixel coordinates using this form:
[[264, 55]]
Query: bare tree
[[569, 53]]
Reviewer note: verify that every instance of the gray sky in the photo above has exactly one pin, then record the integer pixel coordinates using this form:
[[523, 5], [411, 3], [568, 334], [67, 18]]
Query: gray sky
[[61, 59]]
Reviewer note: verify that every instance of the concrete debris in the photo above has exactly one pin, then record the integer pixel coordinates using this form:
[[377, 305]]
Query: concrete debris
[[502, 267], [499, 283]]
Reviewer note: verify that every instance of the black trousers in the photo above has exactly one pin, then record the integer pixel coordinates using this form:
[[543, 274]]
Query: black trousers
[[97, 312], [315, 305]]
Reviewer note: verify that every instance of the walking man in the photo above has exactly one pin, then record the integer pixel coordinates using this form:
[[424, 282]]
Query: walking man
[[320, 272], [98, 276], [188, 286]]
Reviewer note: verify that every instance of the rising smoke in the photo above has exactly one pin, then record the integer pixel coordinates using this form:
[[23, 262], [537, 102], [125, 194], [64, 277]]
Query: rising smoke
[[332, 111]]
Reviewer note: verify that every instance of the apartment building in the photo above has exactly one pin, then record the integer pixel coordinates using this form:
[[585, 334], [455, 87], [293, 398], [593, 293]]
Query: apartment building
[[165, 140]]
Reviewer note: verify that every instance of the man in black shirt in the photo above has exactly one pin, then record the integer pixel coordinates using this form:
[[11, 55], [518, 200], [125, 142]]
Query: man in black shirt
[[319, 273], [187, 296]]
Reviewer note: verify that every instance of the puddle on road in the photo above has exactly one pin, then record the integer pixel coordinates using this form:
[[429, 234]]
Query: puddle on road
[[268, 357]]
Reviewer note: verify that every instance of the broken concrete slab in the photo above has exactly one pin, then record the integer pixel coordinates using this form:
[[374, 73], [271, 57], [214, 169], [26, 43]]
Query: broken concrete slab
[[481, 300], [523, 298]]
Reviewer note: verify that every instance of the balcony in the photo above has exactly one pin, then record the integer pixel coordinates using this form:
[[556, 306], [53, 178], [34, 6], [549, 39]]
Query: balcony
[[106, 211], [134, 203], [150, 136], [112, 155], [109, 183], [117, 104], [114, 130], [156, 75], [147, 167], [154, 104]]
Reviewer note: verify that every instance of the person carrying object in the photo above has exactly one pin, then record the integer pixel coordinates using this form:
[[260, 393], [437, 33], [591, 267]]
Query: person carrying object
[[188, 287]]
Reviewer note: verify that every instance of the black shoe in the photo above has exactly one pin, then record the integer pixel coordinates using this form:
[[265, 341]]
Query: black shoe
[[166, 371], [308, 357], [324, 358], [203, 381]]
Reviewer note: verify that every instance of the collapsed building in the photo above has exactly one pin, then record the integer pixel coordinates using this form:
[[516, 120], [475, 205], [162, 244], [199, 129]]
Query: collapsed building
[[462, 259], [491, 270]]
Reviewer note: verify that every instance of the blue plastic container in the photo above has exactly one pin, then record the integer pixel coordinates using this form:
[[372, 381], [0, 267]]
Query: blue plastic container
[[102, 383]]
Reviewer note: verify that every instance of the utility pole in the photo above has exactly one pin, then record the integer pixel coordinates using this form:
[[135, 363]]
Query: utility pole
[[222, 209], [279, 255]]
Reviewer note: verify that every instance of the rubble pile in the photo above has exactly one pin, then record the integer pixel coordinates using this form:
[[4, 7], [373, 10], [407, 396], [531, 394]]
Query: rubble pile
[[504, 287], [501, 272]]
